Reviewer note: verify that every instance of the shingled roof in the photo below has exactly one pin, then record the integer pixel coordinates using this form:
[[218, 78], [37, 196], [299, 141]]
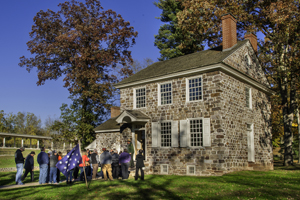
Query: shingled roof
[[110, 124], [183, 63]]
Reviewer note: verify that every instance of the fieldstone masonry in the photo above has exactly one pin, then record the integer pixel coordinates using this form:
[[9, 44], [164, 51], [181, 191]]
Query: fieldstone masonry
[[224, 103]]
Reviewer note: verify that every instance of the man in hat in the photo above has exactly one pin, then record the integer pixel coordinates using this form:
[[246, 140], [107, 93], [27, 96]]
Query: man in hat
[[19, 159], [130, 150], [29, 166]]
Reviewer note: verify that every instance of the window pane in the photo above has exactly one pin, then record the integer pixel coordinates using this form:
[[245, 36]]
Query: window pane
[[196, 133], [195, 89], [140, 98], [166, 93]]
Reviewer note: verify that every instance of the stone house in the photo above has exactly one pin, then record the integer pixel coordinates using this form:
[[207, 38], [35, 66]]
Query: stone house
[[206, 113]]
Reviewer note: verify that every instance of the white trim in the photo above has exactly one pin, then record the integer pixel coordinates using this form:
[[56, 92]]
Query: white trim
[[161, 169], [220, 66], [159, 93], [250, 142], [187, 88], [134, 97], [111, 130], [187, 169], [132, 118]]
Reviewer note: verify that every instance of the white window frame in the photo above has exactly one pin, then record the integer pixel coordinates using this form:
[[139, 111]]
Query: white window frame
[[134, 97], [187, 88], [188, 171], [159, 136], [161, 169], [250, 97], [159, 93], [189, 132]]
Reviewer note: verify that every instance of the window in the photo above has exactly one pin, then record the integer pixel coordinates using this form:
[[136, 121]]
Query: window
[[164, 169], [248, 60], [194, 89], [166, 133], [196, 133], [165, 94], [191, 170], [248, 97], [140, 98]]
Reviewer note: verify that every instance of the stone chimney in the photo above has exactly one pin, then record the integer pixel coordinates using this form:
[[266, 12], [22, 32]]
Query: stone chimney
[[228, 31], [114, 111], [253, 40]]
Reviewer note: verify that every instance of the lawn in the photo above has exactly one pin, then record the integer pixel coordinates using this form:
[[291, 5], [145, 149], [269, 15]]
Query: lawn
[[9, 161], [282, 183]]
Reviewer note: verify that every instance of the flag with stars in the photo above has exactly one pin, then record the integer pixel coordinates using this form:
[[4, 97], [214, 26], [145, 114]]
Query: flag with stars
[[70, 161]]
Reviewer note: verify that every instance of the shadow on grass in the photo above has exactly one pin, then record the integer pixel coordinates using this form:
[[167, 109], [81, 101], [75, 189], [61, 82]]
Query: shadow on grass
[[278, 184]]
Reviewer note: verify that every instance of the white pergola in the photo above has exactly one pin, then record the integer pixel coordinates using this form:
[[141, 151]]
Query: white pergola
[[22, 136]]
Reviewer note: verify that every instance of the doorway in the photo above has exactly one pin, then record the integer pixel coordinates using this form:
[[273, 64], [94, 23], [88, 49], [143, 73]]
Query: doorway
[[140, 141]]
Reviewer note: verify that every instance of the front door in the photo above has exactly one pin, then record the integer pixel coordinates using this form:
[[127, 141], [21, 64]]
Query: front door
[[140, 142]]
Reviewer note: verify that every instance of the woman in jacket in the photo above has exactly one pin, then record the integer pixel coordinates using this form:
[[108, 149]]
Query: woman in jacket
[[85, 161]]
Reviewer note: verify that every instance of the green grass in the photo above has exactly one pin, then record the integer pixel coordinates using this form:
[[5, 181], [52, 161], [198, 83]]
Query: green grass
[[9, 161], [282, 183]]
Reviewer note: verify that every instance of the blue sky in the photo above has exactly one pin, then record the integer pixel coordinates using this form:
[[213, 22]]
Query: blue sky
[[19, 92]]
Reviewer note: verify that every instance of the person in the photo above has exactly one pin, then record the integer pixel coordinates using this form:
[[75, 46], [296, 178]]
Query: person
[[88, 167], [105, 160], [139, 165], [48, 170], [124, 160], [43, 161], [69, 173], [94, 160], [53, 169], [82, 165], [130, 150], [115, 164], [59, 157], [19, 160], [29, 166]]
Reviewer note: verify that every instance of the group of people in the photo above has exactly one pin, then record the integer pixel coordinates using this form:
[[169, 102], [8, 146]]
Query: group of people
[[113, 165]]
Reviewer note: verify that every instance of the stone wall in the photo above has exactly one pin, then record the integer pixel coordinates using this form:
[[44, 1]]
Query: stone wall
[[238, 61], [109, 140], [224, 103]]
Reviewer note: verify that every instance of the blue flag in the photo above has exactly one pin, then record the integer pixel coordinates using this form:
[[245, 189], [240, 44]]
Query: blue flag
[[70, 161]]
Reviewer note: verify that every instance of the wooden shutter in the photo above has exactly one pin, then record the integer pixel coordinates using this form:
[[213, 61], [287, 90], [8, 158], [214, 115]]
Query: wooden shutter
[[183, 133], [206, 132], [158, 95], [250, 138], [154, 126], [174, 133], [134, 98]]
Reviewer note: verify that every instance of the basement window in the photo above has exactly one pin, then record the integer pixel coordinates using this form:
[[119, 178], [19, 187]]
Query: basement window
[[191, 170], [164, 169]]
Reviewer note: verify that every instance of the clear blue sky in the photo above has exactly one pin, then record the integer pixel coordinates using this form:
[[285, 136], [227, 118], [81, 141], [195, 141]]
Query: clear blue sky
[[19, 92]]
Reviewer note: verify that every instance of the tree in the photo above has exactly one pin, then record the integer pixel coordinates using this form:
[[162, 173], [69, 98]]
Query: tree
[[170, 35], [83, 43], [279, 54]]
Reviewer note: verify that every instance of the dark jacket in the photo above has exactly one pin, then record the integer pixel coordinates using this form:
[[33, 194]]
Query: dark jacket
[[53, 161], [93, 158], [19, 157], [139, 160], [29, 163], [43, 158], [115, 158], [105, 158]]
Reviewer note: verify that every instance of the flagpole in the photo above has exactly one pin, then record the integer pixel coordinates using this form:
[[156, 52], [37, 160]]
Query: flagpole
[[83, 165]]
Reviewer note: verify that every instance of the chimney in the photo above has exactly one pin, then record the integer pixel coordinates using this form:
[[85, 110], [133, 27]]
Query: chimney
[[228, 31], [253, 40], [114, 111]]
